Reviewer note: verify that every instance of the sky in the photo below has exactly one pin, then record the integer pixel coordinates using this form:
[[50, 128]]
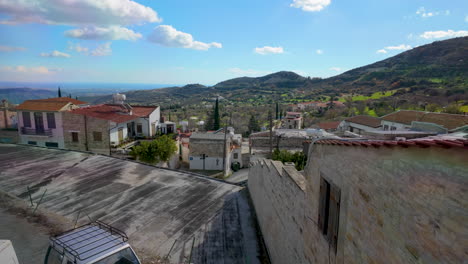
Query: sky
[[208, 41]]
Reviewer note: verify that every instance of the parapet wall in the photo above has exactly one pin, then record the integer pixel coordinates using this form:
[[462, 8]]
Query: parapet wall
[[278, 195]]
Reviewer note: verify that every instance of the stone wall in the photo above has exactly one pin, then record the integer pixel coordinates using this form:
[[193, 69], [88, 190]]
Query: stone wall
[[278, 142], [278, 196], [397, 205], [76, 123]]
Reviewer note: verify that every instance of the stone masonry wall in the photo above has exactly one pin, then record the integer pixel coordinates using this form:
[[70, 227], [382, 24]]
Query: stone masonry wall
[[278, 197], [398, 205], [281, 143], [76, 123]]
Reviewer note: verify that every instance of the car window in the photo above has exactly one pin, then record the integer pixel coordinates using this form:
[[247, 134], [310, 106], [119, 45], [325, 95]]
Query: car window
[[125, 256], [54, 257]]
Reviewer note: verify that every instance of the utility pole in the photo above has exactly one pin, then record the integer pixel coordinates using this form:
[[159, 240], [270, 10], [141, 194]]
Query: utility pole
[[224, 152], [270, 118]]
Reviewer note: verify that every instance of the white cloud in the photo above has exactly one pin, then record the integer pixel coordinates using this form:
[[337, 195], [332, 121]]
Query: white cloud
[[269, 50], [310, 5], [55, 53], [77, 47], [337, 69], [319, 52], [422, 12], [443, 34], [248, 72], [73, 12], [24, 69], [399, 47], [168, 36], [99, 33], [102, 50], [11, 49]]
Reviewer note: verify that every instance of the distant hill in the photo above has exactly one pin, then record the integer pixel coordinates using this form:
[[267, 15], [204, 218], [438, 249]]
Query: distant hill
[[430, 72], [18, 95]]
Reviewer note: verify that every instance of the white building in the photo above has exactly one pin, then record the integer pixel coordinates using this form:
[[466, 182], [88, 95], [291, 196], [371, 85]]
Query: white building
[[410, 119], [359, 124], [208, 149], [40, 121], [292, 120]]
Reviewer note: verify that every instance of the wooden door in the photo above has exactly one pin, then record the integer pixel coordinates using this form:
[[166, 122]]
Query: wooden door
[[39, 122]]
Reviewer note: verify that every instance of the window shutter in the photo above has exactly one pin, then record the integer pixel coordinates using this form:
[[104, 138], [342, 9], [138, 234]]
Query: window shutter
[[26, 119], [51, 120], [322, 204], [334, 216]]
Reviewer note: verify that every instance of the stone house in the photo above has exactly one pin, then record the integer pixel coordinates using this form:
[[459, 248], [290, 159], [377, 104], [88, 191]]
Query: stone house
[[292, 120], [360, 123], [8, 117], [208, 149], [40, 121], [98, 128], [359, 201], [414, 120]]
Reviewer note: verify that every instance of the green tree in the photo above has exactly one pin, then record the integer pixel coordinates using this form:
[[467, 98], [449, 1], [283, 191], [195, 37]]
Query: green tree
[[216, 120], [160, 149], [253, 124], [277, 111], [298, 158], [59, 92]]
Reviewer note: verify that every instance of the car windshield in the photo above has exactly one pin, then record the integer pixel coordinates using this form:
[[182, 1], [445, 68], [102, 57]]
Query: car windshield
[[125, 256]]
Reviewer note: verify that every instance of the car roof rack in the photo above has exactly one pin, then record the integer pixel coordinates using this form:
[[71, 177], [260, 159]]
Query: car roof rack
[[88, 240]]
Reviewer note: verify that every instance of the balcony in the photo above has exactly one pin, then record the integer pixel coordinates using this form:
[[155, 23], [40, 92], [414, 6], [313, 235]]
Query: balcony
[[36, 132]]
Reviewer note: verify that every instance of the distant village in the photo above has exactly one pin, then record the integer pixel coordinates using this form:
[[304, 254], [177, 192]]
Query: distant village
[[390, 189]]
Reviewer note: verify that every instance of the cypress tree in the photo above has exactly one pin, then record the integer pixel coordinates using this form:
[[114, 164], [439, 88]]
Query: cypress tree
[[216, 123], [59, 92], [277, 111]]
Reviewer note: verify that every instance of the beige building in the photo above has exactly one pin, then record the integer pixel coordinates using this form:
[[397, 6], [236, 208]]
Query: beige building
[[97, 128], [366, 202], [40, 121], [292, 120]]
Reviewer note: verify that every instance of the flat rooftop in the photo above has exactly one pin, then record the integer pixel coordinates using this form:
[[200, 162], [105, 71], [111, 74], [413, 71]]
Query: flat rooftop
[[158, 209]]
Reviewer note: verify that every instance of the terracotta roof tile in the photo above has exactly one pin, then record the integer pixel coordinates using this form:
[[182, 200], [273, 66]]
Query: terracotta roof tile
[[365, 120], [32, 105], [143, 111], [449, 121], [112, 113], [329, 125]]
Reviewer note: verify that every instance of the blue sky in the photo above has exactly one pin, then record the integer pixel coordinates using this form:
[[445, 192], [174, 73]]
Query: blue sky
[[207, 41]]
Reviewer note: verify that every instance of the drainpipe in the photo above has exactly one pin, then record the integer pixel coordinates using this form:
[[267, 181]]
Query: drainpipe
[[86, 132]]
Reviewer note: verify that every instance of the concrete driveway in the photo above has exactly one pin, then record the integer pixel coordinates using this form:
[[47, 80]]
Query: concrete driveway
[[239, 176]]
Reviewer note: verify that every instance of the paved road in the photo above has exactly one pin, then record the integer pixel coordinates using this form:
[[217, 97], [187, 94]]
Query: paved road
[[239, 176], [30, 241]]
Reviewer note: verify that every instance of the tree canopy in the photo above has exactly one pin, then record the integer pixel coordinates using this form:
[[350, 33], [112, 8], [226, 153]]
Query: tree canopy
[[160, 149]]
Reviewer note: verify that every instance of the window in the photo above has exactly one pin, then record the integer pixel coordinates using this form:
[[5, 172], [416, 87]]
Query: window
[[51, 144], [51, 120], [97, 136], [236, 155], [26, 119], [139, 128], [74, 136], [329, 211], [32, 142], [385, 127], [392, 128]]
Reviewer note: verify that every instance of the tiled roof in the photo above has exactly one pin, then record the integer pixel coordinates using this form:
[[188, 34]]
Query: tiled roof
[[143, 111], [62, 99], [365, 120], [329, 125], [449, 121], [435, 141], [33, 105], [114, 113]]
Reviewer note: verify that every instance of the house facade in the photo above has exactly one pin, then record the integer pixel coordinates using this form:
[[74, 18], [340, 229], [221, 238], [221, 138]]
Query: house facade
[[363, 201], [292, 120], [8, 116], [98, 128], [40, 121], [360, 124]]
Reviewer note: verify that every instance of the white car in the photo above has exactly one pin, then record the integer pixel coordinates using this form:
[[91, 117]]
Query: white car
[[95, 242]]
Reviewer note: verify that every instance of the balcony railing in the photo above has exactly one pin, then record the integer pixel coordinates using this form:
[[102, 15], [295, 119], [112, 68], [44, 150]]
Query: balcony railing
[[36, 132]]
